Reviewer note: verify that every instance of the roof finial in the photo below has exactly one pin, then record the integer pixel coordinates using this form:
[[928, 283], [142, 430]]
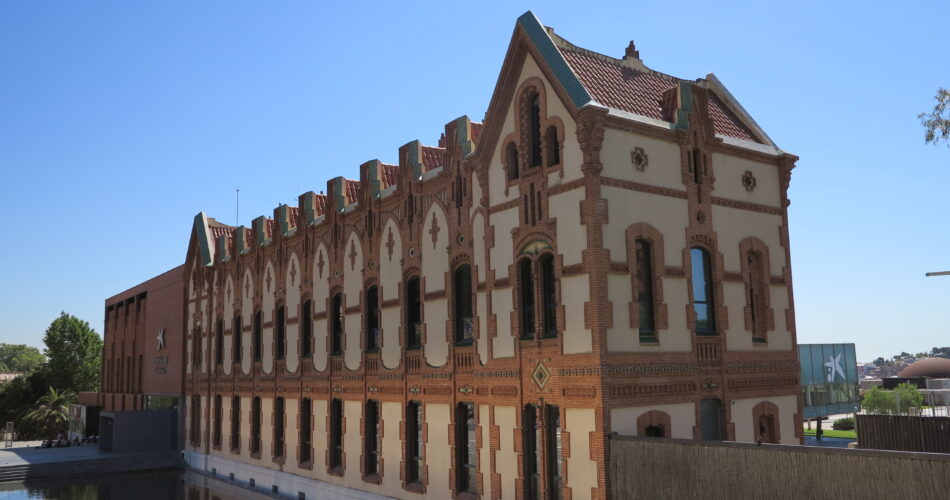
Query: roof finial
[[631, 51]]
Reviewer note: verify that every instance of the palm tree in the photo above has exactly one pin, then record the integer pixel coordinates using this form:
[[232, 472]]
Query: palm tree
[[52, 412]]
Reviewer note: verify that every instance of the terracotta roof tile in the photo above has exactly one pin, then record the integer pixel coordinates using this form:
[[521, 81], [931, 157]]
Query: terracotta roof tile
[[639, 92], [353, 190], [432, 158], [476, 132], [320, 201], [389, 175], [726, 123]]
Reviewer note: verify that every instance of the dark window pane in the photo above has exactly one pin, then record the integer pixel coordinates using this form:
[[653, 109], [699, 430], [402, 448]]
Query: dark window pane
[[463, 304], [372, 319], [238, 347], [306, 416], [527, 298], [336, 324], [702, 292], [535, 130], [644, 255], [549, 295], [306, 336], [281, 332], [413, 313]]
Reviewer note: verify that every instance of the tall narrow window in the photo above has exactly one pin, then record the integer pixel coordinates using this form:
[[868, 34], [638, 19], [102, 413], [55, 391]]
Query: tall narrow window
[[195, 420], [306, 329], [196, 348], [258, 335], [256, 426], [553, 445], [306, 433], [237, 349], [527, 298], [645, 291], [278, 427], [413, 313], [553, 149], [216, 434], [511, 160], [703, 303], [548, 296], [757, 293], [372, 319], [530, 439], [219, 342], [466, 451], [534, 130], [463, 304], [697, 160], [371, 438], [235, 423], [280, 333], [414, 442], [336, 324], [336, 433]]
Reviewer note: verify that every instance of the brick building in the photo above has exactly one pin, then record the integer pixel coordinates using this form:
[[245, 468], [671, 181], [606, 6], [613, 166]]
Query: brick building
[[142, 346], [608, 252]]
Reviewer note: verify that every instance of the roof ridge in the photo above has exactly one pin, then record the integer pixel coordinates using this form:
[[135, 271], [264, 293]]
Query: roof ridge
[[563, 44]]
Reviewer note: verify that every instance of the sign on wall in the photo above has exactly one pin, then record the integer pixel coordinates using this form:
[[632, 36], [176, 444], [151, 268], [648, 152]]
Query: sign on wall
[[829, 379]]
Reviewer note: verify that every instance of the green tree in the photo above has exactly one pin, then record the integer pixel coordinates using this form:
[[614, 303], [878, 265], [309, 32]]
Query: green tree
[[19, 358], [51, 414], [937, 122], [74, 354], [880, 361], [907, 395], [878, 401]]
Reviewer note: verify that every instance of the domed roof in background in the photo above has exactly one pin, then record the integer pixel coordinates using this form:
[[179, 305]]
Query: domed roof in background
[[927, 367]]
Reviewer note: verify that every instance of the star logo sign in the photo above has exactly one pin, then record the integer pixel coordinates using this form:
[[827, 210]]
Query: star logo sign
[[161, 339], [834, 365]]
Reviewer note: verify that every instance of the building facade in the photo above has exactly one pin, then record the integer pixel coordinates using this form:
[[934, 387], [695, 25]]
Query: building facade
[[608, 252], [142, 346]]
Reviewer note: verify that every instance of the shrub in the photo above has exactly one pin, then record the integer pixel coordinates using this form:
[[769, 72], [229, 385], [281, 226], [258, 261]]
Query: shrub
[[843, 424]]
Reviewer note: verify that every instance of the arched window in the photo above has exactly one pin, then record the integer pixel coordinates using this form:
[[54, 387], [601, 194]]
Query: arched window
[[306, 329], [511, 160], [413, 313], [258, 335], [534, 130], [548, 296], [703, 300], [644, 255], [537, 275], [280, 337], [336, 324], [372, 319], [463, 304], [552, 152], [526, 278], [757, 290]]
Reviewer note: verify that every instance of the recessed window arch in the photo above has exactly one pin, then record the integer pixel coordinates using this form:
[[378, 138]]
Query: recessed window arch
[[704, 306], [534, 129], [537, 291], [644, 293]]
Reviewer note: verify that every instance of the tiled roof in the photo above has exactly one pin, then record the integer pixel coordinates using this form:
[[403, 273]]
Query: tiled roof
[[641, 92], [320, 201], [726, 123], [218, 229], [389, 175], [353, 189], [476, 131], [432, 158]]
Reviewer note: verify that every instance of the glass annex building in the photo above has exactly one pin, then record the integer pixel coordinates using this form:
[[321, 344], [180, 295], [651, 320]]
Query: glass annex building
[[829, 379]]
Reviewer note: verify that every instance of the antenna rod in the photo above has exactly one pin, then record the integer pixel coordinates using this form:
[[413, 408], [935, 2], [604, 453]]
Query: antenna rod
[[237, 207]]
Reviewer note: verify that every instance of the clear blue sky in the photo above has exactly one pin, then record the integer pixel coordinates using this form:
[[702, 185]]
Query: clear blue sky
[[121, 120]]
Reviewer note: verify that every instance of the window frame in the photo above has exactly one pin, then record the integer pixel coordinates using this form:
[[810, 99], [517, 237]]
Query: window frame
[[463, 305], [413, 314], [336, 324], [708, 300], [371, 319]]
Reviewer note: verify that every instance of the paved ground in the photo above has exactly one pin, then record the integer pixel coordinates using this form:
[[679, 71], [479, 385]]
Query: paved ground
[[28, 452]]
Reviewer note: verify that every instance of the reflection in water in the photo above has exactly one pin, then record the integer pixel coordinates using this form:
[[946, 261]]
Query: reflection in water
[[157, 485]]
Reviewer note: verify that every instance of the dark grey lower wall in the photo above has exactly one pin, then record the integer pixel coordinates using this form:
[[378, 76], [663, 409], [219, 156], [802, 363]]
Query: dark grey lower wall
[[138, 430], [676, 468]]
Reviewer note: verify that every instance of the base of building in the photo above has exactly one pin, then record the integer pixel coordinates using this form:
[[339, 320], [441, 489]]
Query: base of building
[[269, 481]]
